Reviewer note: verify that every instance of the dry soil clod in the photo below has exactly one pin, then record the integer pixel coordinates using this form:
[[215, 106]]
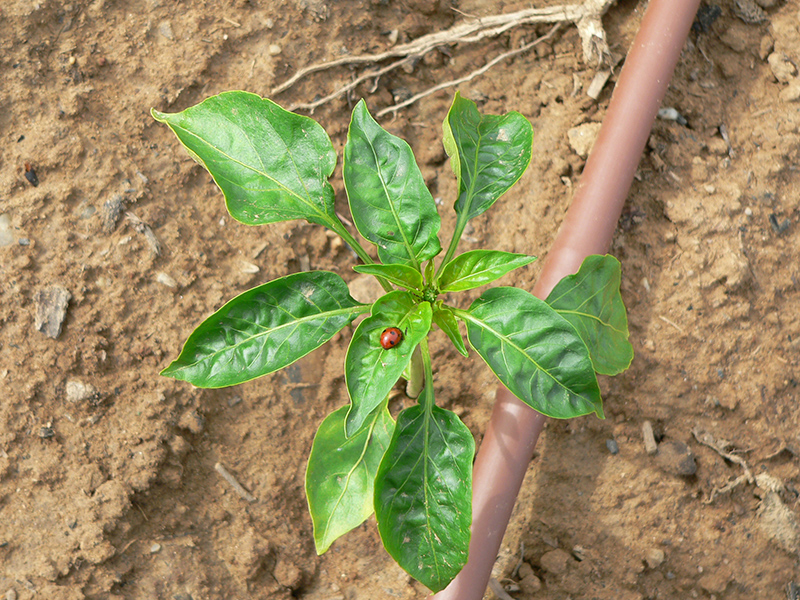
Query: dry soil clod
[[676, 458], [112, 208]]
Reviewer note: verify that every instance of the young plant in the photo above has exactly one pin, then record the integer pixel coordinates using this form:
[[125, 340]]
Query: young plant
[[415, 473]]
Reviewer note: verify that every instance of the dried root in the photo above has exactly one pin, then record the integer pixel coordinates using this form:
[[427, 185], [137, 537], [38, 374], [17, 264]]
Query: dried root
[[586, 17]]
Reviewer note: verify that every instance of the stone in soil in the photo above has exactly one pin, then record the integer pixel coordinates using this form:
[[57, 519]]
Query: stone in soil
[[51, 309]]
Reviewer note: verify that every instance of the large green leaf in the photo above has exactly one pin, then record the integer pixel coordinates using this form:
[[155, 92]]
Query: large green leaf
[[271, 165], [488, 154], [370, 370], [591, 301], [341, 473], [390, 204], [265, 329], [534, 351], [401, 275], [478, 267], [446, 320], [423, 494]]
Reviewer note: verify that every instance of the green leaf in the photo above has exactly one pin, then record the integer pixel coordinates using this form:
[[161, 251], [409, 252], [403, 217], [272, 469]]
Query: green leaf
[[341, 473], [591, 301], [370, 370], [534, 351], [271, 165], [488, 153], [445, 319], [390, 204], [478, 267], [423, 494], [401, 275], [265, 329]]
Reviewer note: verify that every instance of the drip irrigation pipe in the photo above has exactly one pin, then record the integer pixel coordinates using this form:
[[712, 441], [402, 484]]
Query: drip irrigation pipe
[[588, 227]]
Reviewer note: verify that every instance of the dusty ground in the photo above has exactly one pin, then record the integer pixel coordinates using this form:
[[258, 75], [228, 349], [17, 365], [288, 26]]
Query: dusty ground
[[107, 485]]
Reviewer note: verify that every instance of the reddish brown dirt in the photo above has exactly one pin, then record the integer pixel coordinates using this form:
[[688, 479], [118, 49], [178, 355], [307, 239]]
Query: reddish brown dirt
[[111, 493]]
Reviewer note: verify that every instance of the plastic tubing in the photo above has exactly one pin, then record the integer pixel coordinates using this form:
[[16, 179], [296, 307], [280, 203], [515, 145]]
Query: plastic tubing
[[588, 227]]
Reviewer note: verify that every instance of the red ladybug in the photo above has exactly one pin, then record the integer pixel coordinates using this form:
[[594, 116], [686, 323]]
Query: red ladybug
[[390, 337]]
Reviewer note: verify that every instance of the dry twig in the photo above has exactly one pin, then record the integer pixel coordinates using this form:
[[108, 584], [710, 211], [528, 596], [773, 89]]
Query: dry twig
[[143, 228], [720, 447], [237, 487], [586, 17], [498, 590], [469, 77]]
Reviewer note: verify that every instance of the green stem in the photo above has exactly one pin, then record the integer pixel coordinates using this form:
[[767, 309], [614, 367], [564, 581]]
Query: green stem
[[461, 223], [338, 227], [426, 400], [417, 375]]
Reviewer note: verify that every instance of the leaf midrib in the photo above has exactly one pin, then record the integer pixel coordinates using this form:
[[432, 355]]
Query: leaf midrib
[[589, 316], [351, 472], [398, 223], [469, 317], [296, 322], [306, 201]]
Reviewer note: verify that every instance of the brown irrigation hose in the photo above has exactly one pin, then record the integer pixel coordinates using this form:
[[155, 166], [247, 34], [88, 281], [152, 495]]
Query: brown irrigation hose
[[588, 227]]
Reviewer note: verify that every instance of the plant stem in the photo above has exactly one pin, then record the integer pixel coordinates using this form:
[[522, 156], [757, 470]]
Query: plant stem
[[426, 400], [338, 227], [417, 375], [461, 223]]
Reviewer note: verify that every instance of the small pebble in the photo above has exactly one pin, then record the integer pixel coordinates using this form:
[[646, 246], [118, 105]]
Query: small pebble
[[77, 391], [155, 547], [24, 242], [6, 237], [748, 212], [248, 267], [671, 114], [650, 445], [165, 29], [655, 557], [274, 49], [30, 175], [51, 310], [166, 280], [112, 209], [612, 446], [11, 594]]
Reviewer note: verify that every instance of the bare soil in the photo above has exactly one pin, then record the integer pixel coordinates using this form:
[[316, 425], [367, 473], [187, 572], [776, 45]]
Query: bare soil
[[107, 480]]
